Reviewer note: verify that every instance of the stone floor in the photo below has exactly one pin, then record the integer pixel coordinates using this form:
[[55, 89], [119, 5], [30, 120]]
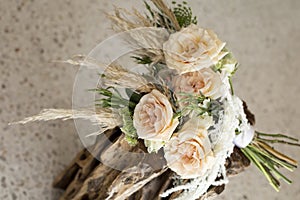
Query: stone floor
[[264, 35]]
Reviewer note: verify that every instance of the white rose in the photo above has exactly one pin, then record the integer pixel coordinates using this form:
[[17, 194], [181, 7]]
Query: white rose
[[192, 49], [188, 153], [153, 117], [206, 81]]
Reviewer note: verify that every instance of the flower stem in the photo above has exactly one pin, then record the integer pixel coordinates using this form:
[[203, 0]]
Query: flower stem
[[277, 141], [276, 136], [276, 153], [281, 163], [231, 86], [270, 165], [253, 157]]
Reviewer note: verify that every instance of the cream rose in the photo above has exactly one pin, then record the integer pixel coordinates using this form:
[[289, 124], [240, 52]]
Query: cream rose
[[206, 81], [188, 153], [192, 49], [153, 117]]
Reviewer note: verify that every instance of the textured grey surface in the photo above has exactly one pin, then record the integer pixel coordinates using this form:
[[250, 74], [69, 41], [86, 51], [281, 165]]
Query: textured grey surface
[[264, 36]]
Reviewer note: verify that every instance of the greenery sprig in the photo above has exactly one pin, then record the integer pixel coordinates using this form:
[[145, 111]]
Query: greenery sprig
[[113, 99], [128, 128], [200, 105], [184, 14], [227, 63]]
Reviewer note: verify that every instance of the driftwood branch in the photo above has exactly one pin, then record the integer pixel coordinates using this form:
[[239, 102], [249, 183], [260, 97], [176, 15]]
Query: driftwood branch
[[86, 178]]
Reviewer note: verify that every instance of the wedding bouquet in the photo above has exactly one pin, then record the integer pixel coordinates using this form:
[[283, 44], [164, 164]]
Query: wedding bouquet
[[176, 101]]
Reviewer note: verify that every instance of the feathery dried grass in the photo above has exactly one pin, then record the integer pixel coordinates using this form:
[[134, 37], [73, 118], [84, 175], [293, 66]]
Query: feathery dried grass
[[105, 118], [149, 42], [143, 34], [114, 75], [122, 22], [119, 77], [160, 4], [82, 60]]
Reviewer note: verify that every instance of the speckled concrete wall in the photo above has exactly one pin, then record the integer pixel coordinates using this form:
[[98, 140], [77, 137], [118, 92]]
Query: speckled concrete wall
[[264, 35]]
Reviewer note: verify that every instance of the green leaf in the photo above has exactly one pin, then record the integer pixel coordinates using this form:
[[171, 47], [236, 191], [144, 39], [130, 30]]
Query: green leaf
[[128, 128], [131, 141], [142, 60], [133, 96]]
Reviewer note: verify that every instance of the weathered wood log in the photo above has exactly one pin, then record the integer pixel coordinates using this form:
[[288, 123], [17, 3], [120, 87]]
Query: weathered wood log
[[142, 176], [97, 184], [73, 177]]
